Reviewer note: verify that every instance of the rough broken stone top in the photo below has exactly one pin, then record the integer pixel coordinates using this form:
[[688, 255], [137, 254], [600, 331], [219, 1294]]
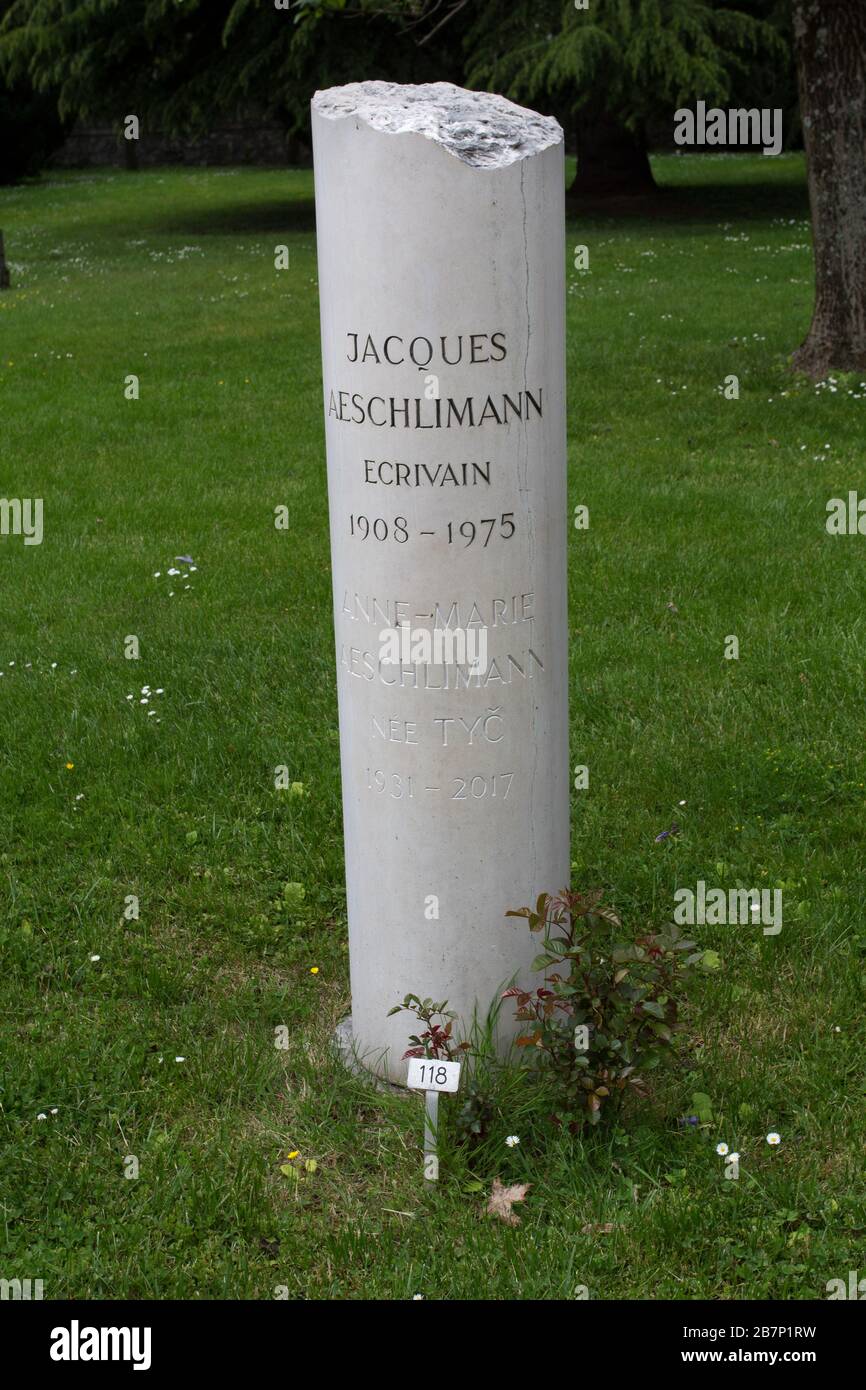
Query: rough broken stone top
[[480, 128]]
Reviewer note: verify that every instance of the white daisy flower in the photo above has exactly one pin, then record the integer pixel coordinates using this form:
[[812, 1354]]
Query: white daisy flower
[[512, 1141], [773, 1138], [721, 1150]]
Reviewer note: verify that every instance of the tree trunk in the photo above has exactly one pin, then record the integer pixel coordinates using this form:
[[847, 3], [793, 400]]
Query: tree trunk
[[830, 39], [612, 162]]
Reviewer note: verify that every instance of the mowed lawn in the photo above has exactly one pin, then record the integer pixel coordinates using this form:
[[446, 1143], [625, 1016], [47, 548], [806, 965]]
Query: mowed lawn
[[707, 520]]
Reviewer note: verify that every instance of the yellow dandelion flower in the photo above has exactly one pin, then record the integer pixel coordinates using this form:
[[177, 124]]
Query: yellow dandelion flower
[[70, 766], [314, 970]]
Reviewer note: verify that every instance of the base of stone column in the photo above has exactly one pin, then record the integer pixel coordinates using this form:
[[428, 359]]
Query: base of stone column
[[343, 1043]]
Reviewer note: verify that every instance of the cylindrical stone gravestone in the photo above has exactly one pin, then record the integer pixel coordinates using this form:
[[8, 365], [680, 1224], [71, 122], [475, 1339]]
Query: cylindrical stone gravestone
[[440, 217]]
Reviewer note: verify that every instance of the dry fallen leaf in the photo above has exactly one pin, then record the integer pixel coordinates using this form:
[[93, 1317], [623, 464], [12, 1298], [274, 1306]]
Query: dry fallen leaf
[[503, 1198], [597, 1228]]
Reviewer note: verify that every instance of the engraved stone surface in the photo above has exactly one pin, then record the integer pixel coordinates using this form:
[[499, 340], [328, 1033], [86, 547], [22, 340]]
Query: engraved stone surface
[[440, 222]]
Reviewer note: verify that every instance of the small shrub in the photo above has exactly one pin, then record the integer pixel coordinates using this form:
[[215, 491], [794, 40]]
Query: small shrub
[[607, 1013], [436, 1040]]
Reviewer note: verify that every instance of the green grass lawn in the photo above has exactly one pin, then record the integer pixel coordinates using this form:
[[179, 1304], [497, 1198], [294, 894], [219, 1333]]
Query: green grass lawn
[[707, 519]]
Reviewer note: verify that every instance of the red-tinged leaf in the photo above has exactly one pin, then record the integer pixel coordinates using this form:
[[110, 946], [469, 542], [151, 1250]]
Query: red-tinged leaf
[[607, 914], [582, 903], [527, 1040], [512, 993]]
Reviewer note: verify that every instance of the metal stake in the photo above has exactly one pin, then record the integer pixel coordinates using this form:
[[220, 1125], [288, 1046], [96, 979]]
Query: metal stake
[[431, 1125]]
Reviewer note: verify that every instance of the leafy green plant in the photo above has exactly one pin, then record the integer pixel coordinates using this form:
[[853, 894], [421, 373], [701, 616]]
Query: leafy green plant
[[607, 1013], [478, 1109], [436, 1040]]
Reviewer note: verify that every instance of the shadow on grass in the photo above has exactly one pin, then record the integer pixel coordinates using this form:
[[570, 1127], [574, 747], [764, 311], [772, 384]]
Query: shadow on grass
[[679, 204], [691, 203], [270, 215], [748, 197], [674, 203]]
